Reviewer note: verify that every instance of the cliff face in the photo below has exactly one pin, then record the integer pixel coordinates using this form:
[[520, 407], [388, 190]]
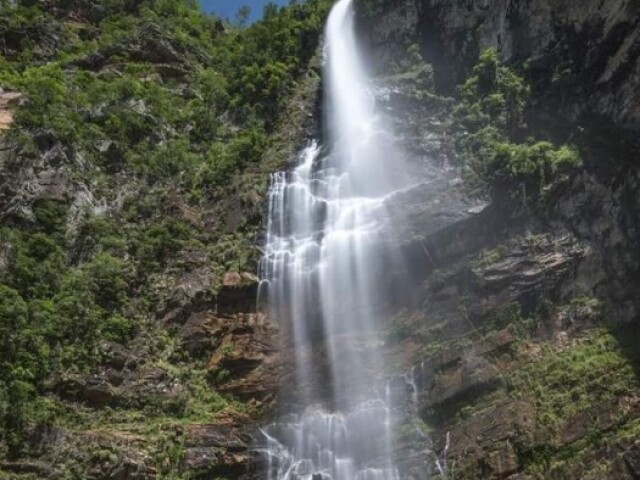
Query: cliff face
[[582, 62], [518, 351], [582, 57], [132, 228], [134, 164]]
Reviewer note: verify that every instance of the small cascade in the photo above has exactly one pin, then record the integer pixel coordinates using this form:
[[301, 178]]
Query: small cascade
[[320, 445]]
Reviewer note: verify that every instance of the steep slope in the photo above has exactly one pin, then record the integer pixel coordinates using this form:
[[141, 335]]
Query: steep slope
[[519, 352], [136, 141], [137, 138]]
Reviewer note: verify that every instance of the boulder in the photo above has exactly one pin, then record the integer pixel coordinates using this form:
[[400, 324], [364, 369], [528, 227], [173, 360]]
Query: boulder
[[94, 391]]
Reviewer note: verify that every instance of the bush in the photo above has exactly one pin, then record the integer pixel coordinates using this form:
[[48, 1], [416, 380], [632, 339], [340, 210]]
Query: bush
[[488, 117]]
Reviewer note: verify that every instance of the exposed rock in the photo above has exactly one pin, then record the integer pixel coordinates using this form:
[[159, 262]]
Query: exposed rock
[[227, 435], [588, 51], [192, 293], [205, 462], [248, 351], [148, 44], [235, 279], [40, 468], [7, 101], [239, 293], [117, 356], [53, 184], [201, 333], [94, 391]]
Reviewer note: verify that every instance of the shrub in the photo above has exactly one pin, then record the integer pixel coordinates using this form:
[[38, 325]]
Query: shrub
[[488, 116]]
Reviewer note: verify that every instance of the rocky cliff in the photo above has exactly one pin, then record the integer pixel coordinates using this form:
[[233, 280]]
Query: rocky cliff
[[518, 352], [136, 141]]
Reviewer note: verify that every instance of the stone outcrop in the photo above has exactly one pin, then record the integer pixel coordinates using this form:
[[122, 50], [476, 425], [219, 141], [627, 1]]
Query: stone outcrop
[[516, 335], [7, 101], [584, 54]]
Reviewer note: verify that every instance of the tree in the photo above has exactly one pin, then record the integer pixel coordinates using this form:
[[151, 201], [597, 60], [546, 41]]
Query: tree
[[242, 16]]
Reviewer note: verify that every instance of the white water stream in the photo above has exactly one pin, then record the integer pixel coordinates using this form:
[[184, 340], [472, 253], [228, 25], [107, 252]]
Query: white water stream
[[322, 275]]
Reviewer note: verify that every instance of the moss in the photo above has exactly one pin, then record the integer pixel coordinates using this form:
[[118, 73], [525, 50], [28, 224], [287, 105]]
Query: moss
[[564, 384]]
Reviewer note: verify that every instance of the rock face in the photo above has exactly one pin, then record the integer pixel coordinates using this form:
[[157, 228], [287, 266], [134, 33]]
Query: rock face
[[582, 56], [582, 61], [516, 340], [238, 345], [516, 337]]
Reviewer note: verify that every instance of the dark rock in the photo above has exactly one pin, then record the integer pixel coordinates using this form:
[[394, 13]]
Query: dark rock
[[42, 469], [192, 293], [116, 355], [96, 13], [200, 333], [238, 293], [171, 71], [94, 391], [632, 461], [112, 154], [574, 48]]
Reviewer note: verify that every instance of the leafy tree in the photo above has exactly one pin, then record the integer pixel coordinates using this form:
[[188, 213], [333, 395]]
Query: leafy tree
[[242, 15]]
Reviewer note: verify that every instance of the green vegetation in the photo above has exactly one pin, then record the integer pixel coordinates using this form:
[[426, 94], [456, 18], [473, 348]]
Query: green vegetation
[[585, 386], [157, 119], [573, 397], [489, 118], [563, 384], [372, 9]]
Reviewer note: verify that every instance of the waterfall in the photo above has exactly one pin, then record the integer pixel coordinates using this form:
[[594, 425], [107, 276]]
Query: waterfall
[[322, 274]]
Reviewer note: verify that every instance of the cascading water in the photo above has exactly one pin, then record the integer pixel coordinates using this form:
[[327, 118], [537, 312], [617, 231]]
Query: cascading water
[[321, 273]]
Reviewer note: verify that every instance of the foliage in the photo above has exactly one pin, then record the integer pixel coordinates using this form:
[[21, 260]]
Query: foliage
[[563, 384], [158, 110], [488, 117]]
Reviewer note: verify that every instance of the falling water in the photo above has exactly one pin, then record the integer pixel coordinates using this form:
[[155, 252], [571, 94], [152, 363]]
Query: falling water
[[322, 273]]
